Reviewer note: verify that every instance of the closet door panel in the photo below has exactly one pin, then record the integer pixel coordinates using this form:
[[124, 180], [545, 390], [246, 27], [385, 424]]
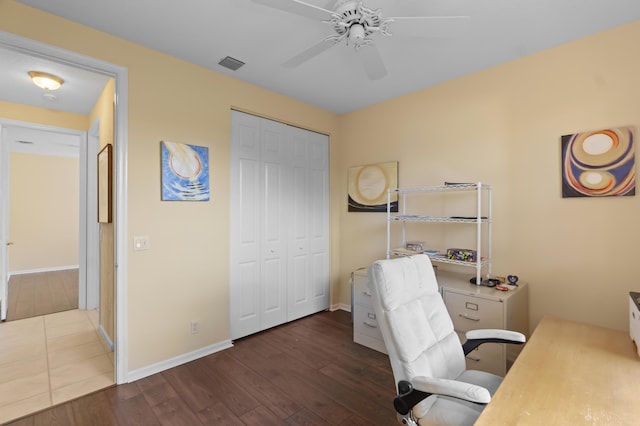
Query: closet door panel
[[319, 219], [320, 284], [273, 216], [245, 232], [248, 276], [303, 294], [299, 268]]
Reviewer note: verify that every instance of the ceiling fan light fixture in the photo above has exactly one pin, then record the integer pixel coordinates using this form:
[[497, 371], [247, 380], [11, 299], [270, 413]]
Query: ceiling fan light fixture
[[356, 34], [45, 80]]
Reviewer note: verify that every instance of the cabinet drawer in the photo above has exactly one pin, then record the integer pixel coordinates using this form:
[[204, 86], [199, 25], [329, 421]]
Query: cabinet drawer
[[365, 322], [470, 313], [361, 293]]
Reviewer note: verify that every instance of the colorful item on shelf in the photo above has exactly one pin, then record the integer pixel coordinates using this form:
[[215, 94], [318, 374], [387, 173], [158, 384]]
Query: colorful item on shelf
[[465, 255]]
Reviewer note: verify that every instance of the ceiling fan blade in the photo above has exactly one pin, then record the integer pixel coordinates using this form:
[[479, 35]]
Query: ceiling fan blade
[[309, 53], [331, 4], [429, 26], [298, 7], [372, 62]]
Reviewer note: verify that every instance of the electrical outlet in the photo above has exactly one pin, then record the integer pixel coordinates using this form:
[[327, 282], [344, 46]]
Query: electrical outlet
[[195, 326]]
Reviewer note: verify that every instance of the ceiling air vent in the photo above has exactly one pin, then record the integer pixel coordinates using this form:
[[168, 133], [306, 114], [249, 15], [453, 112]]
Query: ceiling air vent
[[231, 63]]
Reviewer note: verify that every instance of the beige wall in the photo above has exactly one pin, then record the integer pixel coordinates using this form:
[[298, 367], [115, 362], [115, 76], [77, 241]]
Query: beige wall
[[43, 116], [103, 111], [43, 212], [503, 126], [23, 227], [185, 274]]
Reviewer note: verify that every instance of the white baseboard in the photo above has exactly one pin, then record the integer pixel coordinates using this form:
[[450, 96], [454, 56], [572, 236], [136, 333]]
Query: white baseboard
[[158, 367], [341, 307], [106, 337], [47, 269]]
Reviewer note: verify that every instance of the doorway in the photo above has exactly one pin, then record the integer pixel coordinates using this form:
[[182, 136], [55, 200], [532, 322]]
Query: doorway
[[120, 137], [52, 263]]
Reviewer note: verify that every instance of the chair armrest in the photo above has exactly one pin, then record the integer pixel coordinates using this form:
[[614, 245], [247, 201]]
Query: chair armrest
[[476, 338], [410, 393]]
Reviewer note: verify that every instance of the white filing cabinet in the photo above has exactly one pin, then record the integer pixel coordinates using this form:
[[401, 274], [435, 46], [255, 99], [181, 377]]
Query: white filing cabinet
[[474, 307], [365, 325]]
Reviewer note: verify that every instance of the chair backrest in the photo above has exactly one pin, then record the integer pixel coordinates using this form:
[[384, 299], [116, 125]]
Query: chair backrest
[[414, 321]]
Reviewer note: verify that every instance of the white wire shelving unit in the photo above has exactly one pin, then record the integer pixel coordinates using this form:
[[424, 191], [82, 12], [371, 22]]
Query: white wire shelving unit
[[481, 218]]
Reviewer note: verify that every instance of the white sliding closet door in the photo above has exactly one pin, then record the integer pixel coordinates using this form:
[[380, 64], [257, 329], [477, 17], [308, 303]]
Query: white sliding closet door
[[308, 291], [279, 268], [275, 189]]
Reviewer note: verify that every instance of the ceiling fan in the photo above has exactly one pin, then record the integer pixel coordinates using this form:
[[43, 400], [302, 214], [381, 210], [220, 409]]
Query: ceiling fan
[[354, 23]]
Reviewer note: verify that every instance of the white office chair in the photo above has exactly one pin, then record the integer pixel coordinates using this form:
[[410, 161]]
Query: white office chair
[[426, 355]]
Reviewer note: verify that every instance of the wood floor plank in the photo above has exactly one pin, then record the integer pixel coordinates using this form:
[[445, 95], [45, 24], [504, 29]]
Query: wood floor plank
[[58, 300], [308, 372], [293, 377], [94, 409], [25, 307], [219, 414], [362, 383], [261, 416], [130, 407], [135, 412], [45, 297], [156, 389], [306, 417], [42, 293], [265, 392], [202, 387], [175, 412]]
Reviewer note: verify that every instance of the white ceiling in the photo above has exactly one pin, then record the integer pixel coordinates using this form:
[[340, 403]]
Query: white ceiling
[[28, 140], [205, 31], [78, 94]]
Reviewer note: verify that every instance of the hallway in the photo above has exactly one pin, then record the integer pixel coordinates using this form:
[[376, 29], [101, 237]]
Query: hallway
[[50, 359]]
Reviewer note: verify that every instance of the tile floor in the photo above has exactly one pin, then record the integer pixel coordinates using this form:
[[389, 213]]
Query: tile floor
[[50, 359]]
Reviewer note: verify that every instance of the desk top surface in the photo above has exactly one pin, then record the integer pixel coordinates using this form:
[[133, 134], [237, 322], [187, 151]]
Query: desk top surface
[[570, 373]]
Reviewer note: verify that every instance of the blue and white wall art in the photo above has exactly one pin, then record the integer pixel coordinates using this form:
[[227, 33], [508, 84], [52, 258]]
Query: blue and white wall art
[[185, 172]]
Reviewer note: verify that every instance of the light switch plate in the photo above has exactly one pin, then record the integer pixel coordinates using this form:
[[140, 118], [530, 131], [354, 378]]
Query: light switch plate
[[141, 243]]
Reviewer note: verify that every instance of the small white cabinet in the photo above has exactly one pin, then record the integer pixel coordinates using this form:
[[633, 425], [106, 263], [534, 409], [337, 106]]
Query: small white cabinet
[[365, 324], [474, 307]]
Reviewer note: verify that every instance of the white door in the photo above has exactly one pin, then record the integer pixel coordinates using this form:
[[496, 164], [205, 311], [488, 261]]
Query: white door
[[308, 290], [275, 183], [245, 232], [279, 224]]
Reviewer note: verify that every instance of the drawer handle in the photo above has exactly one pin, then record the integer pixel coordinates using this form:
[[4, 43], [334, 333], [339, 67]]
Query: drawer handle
[[470, 358], [370, 324], [465, 316], [366, 293]]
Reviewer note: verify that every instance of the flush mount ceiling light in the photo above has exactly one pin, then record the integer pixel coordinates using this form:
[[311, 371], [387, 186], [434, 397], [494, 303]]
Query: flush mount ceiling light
[[45, 80]]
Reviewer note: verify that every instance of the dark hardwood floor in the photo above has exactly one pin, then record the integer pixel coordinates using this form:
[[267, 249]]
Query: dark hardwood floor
[[307, 372], [42, 293]]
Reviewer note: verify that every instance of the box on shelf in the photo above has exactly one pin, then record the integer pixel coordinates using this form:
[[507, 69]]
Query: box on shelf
[[465, 255], [414, 245]]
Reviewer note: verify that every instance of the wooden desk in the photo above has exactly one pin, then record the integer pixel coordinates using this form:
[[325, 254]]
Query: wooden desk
[[570, 373]]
